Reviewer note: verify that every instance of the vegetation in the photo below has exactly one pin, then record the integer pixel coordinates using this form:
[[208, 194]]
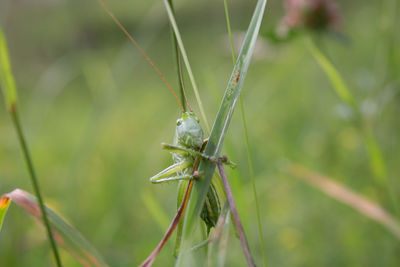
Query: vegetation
[[321, 103]]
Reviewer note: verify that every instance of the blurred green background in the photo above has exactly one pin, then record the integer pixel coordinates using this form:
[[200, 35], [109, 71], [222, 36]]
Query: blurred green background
[[95, 113]]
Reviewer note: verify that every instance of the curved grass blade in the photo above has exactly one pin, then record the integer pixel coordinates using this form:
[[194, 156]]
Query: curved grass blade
[[66, 236], [221, 125], [177, 52], [376, 158], [348, 197], [377, 162], [338, 84], [4, 204], [7, 83]]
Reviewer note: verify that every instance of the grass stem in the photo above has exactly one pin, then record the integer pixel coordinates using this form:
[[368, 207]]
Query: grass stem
[[187, 64], [34, 181], [178, 64], [221, 125], [235, 215], [10, 93], [246, 137]]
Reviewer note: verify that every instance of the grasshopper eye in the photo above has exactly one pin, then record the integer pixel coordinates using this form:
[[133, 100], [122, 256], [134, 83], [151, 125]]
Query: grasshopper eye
[[178, 122]]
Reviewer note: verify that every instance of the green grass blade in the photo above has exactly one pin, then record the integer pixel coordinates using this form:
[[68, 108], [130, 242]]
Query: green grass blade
[[155, 210], [187, 64], [221, 124], [253, 182], [228, 26], [377, 163], [66, 236], [8, 85], [6, 78], [339, 85], [178, 63], [375, 155], [246, 137]]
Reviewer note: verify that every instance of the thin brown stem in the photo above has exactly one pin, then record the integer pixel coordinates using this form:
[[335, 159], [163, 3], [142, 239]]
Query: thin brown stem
[[133, 41], [149, 261], [235, 215], [35, 182]]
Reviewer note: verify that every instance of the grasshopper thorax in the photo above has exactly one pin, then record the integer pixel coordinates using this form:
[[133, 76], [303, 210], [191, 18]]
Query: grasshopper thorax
[[188, 131]]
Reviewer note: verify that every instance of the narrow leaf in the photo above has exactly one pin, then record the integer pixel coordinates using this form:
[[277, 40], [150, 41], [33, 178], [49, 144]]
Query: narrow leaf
[[186, 61], [65, 235], [339, 85], [377, 162], [246, 138], [8, 86], [222, 121], [348, 197], [375, 155], [155, 210], [4, 204], [6, 78]]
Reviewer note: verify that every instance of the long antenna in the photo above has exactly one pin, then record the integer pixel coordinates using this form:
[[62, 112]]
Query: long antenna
[[133, 41]]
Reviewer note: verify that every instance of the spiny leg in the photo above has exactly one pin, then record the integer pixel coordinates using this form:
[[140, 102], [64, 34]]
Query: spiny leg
[[180, 150], [163, 175], [235, 214], [173, 178]]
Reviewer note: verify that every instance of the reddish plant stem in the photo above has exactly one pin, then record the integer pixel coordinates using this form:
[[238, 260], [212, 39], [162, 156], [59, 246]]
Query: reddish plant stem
[[149, 261], [235, 215]]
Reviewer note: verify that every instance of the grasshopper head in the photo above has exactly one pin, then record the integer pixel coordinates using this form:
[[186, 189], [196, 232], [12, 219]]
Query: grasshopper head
[[188, 131]]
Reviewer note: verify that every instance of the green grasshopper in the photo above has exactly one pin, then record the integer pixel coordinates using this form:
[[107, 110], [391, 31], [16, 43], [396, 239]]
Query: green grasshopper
[[188, 145], [187, 150]]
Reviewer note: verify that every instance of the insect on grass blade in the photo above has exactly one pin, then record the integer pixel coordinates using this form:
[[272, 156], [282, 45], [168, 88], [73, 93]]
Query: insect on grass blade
[[221, 125]]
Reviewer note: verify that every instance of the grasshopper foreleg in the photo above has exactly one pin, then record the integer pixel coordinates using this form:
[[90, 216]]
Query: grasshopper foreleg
[[180, 150], [163, 176]]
